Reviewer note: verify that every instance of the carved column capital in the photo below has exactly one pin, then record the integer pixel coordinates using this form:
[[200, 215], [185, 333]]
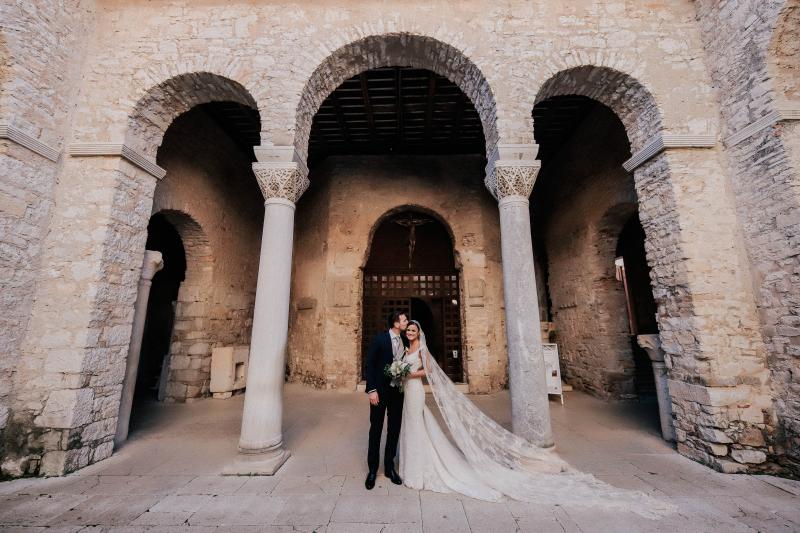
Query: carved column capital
[[281, 180], [512, 170], [510, 178]]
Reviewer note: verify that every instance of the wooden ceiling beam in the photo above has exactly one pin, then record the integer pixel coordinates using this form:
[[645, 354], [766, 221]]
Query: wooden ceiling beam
[[429, 109], [367, 104], [340, 116], [399, 103]]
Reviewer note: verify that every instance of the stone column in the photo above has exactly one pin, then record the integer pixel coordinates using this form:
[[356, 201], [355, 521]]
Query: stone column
[[651, 344], [261, 449], [153, 262], [511, 174]]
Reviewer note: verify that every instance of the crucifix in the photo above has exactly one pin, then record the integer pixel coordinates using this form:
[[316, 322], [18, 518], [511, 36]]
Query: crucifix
[[411, 223]]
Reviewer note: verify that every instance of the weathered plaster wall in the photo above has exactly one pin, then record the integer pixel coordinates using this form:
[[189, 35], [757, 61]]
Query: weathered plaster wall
[[210, 180], [333, 230]]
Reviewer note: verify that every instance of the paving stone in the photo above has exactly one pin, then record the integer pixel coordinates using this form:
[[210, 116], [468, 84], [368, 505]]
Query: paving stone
[[442, 512], [239, 510], [354, 485], [309, 485], [116, 510], [306, 509], [36, 510], [374, 509], [258, 485], [488, 516], [213, 485]]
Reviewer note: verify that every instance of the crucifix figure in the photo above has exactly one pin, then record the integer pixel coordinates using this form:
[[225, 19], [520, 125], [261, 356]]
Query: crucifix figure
[[411, 223]]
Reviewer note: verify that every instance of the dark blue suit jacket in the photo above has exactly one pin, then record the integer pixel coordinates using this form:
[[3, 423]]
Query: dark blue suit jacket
[[379, 355]]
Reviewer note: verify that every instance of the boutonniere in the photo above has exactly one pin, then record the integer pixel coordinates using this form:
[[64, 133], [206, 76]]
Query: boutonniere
[[405, 350]]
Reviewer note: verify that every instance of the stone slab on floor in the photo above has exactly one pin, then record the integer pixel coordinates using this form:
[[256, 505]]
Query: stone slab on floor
[[166, 478]]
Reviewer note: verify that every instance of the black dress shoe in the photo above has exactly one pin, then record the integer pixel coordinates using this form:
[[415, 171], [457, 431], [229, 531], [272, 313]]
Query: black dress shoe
[[394, 477], [369, 483]]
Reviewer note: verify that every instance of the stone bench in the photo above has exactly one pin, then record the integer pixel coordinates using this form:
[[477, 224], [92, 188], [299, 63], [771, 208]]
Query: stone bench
[[228, 370]]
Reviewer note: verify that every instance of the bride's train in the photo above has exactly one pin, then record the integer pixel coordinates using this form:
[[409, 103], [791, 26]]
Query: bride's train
[[489, 462]]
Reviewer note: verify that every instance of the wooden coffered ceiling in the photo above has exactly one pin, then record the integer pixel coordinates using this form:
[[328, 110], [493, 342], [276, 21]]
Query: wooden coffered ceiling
[[396, 110], [556, 119], [403, 110]]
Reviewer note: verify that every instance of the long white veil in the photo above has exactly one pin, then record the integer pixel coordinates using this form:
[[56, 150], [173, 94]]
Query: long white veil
[[517, 468]]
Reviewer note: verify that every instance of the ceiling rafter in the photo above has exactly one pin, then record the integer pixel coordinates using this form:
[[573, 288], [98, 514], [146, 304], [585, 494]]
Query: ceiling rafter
[[402, 110]]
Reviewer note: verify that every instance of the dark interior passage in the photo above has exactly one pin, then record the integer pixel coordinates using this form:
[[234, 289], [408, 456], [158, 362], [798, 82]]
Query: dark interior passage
[[640, 302], [584, 211], [161, 237]]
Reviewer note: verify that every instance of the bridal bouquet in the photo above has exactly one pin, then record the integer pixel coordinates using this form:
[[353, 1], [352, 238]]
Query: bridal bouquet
[[398, 371]]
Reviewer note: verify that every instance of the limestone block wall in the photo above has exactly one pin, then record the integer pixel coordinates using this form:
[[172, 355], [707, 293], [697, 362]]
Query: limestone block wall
[[719, 382], [333, 227], [582, 199], [749, 48], [253, 43], [38, 80], [210, 195], [68, 383]]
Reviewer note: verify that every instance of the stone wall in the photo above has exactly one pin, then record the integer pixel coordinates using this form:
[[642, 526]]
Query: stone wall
[[211, 196], [582, 199], [38, 82], [333, 228], [749, 48], [265, 55]]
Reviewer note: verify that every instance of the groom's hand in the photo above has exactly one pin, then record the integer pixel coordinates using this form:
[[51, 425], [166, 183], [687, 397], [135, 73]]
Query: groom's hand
[[373, 398]]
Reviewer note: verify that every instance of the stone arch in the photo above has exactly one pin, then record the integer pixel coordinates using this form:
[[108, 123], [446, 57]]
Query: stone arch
[[395, 49], [784, 52], [615, 217], [408, 207], [625, 95], [190, 346], [164, 102]]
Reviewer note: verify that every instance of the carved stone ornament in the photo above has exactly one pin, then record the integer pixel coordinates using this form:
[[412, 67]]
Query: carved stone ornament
[[284, 180], [512, 180]]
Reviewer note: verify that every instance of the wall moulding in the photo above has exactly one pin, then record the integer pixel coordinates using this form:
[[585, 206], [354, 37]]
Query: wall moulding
[[119, 150], [784, 112], [14, 134], [666, 141]]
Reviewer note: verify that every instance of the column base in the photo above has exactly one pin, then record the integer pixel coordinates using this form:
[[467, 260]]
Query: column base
[[265, 464]]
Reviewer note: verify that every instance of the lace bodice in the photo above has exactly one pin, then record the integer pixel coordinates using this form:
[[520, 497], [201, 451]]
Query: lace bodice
[[413, 359]]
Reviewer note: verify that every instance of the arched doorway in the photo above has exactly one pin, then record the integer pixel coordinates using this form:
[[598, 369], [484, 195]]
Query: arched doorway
[[641, 306], [411, 266], [161, 237], [597, 276]]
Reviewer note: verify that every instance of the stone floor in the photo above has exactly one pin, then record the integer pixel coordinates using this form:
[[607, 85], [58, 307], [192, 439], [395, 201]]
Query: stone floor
[[166, 478]]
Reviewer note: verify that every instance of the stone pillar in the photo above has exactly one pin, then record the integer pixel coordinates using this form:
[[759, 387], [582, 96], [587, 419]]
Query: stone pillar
[[261, 449], [651, 343], [153, 262], [718, 379], [69, 378], [511, 173]]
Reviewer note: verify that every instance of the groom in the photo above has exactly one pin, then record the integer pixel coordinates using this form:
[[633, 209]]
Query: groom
[[386, 347]]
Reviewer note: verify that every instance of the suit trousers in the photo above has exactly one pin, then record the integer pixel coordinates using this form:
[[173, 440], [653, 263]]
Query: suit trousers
[[391, 404]]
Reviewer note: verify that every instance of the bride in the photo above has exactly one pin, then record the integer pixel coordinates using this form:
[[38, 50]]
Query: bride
[[488, 462]]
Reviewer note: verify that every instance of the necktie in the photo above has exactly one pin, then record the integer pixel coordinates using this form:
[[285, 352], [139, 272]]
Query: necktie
[[396, 347]]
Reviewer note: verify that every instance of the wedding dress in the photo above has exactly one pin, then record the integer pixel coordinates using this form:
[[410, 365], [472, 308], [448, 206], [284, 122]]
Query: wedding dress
[[488, 462]]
